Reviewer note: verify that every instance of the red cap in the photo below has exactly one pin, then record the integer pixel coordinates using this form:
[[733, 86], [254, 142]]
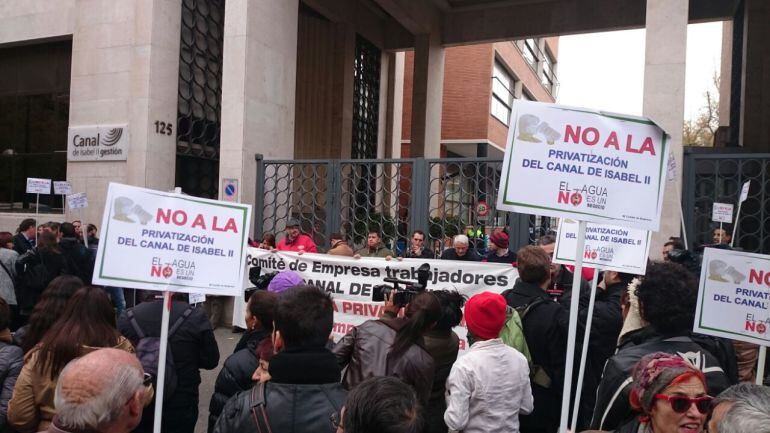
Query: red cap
[[485, 315], [500, 239]]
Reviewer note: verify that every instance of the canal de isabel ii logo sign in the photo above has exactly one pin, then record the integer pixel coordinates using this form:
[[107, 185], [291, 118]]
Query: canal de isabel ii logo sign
[[97, 143]]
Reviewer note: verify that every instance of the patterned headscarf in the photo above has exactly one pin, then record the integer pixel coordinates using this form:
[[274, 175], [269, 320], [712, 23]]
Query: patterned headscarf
[[653, 373]]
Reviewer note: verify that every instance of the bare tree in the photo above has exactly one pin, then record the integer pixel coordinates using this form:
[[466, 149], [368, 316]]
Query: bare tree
[[701, 130]]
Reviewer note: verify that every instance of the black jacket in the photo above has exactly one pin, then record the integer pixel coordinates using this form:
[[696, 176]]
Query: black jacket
[[235, 375], [509, 258], [11, 361], [426, 253], [79, 258], [192, 345], [443, 346], [612, 407], [545, 329], [20, 244], [55, 265], [298, 399], [470, 256]]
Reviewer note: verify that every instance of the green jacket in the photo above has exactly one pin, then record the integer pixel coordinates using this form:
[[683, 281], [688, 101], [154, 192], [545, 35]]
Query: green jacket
[[380, 251]]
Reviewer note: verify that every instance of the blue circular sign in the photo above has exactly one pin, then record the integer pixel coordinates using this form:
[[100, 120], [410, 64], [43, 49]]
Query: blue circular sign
[[230, 190]]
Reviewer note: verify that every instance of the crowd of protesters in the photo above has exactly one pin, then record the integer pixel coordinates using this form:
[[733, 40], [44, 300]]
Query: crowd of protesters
[[73, 358]]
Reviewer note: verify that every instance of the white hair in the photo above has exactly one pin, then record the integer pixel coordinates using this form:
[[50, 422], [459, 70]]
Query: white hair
[[121, 382], [461, 240], [750, 412]]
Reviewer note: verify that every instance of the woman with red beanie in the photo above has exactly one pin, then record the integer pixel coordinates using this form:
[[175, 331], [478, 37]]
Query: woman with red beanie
[[479, 398]]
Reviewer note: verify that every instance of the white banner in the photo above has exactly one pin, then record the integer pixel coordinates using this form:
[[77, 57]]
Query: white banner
[[607, 247], [734, 299], [583, 164], [62, 187], [77, 201], [722, 213], [38, 186], [350, 280], [164, 241], [97, 143], [745, 191]]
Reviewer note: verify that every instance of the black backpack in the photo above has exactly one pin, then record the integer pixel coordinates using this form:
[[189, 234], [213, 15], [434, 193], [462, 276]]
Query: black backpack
[[32, 278], [148, 352]]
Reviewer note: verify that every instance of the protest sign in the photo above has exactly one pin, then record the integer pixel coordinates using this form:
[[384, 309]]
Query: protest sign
[[62, 187], [77, 201], [584, 164], [745, 191], [165, 241], [722, 213], [613, 248], [743, 197], [350, 281], [734, 296], [38, 186]]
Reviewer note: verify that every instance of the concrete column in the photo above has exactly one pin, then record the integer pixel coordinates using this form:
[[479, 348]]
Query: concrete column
[[427, 95], [258, 87], [395, 110], [664, 77], [755, 85], [725, 73], [125, 59]]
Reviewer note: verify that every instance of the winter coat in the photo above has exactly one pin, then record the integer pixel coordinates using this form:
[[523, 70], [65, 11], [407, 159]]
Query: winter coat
[[302, 242], [31, 408], [508, 258], [365, 352], [234, 377], [80, 260], [443, 346], [11, 361], [425, 253], [298, 399], [470, 256], [341, 249], [193, 345], [55, 265], [545, 329], [250, 339], [612, 405], [8, 259], [20, 243], [379, 251]]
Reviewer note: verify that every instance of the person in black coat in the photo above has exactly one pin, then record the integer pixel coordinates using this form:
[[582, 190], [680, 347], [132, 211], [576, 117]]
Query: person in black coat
[[79, 258], [47, 254], [545, 329], [193, 347], [11, 361], [498, 249], [460, 250], [25, 236], [236, 374], [417, 248]]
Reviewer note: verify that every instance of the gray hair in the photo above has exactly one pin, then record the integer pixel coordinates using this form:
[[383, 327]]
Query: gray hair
[[461, 239], [121, 382], [750, 412]]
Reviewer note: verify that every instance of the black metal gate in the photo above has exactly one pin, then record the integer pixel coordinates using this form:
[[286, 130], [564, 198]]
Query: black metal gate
[[442, 197], [715, 175]]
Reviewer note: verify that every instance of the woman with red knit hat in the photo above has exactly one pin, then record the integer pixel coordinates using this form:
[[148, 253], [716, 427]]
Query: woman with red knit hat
[[479, 398]]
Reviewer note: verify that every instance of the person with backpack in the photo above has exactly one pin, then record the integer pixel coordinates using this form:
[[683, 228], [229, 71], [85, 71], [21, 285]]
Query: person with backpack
[[8, 259], [87, 324], [545, 325], [36, 269], [191, 346], [304, 388], [80, 260], [11, 361]]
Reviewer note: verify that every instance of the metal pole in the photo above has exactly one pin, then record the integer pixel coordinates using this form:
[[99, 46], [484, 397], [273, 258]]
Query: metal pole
[[761, 365], [37, 215], [720, 232], [572, 332], [584, 352], [735, 224]]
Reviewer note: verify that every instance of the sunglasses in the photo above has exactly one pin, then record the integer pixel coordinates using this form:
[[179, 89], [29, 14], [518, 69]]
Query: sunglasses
[[681, 404]]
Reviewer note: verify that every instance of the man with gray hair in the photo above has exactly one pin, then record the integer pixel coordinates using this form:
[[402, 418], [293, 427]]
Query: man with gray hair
[[460, 250], [102, 392], [741, 408]]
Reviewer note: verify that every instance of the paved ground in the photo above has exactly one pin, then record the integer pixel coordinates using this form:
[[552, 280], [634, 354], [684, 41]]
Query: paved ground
[[226, 341]]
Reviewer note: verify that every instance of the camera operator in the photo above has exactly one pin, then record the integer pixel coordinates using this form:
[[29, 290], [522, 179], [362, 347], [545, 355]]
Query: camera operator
[[392, 346]]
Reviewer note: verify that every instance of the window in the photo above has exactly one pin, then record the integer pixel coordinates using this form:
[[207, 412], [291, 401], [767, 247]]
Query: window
[[548, 77], [502, 93], [531, 52], [34, 116]]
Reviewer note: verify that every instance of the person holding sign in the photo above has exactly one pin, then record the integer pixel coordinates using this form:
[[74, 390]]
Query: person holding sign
[[460, 250], [722, 236], [498, 249], [295, 240]]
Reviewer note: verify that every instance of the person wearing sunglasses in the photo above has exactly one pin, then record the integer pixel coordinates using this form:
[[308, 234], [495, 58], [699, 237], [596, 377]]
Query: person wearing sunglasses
[[669, 393]]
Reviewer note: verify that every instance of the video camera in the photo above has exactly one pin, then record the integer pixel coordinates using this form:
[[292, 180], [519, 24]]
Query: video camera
[[259, 281], [403, 295]]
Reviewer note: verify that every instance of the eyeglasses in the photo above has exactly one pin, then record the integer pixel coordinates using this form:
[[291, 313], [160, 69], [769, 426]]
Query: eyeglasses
[[681, 404]]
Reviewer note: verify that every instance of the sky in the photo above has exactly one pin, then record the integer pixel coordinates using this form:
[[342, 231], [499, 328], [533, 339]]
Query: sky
[[606, 70]]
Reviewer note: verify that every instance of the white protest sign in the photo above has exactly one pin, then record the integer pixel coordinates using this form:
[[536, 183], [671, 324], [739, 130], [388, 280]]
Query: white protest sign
[[745, 191], [620, 249], [671, 167], [38, 186], [196, 298], [350, 280], [77, 201], [584, 164], [722, 213], [165, 241], [62, 187], [734, 296]]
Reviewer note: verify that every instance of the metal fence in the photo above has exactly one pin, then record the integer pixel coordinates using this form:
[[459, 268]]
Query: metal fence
[[442, 197], [714, 175]]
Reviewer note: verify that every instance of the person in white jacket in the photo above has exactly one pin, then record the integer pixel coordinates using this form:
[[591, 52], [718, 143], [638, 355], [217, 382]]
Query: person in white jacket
[[489, 386]]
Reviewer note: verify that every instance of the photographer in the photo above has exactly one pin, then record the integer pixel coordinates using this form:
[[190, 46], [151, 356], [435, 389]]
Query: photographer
[[392, 346]]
